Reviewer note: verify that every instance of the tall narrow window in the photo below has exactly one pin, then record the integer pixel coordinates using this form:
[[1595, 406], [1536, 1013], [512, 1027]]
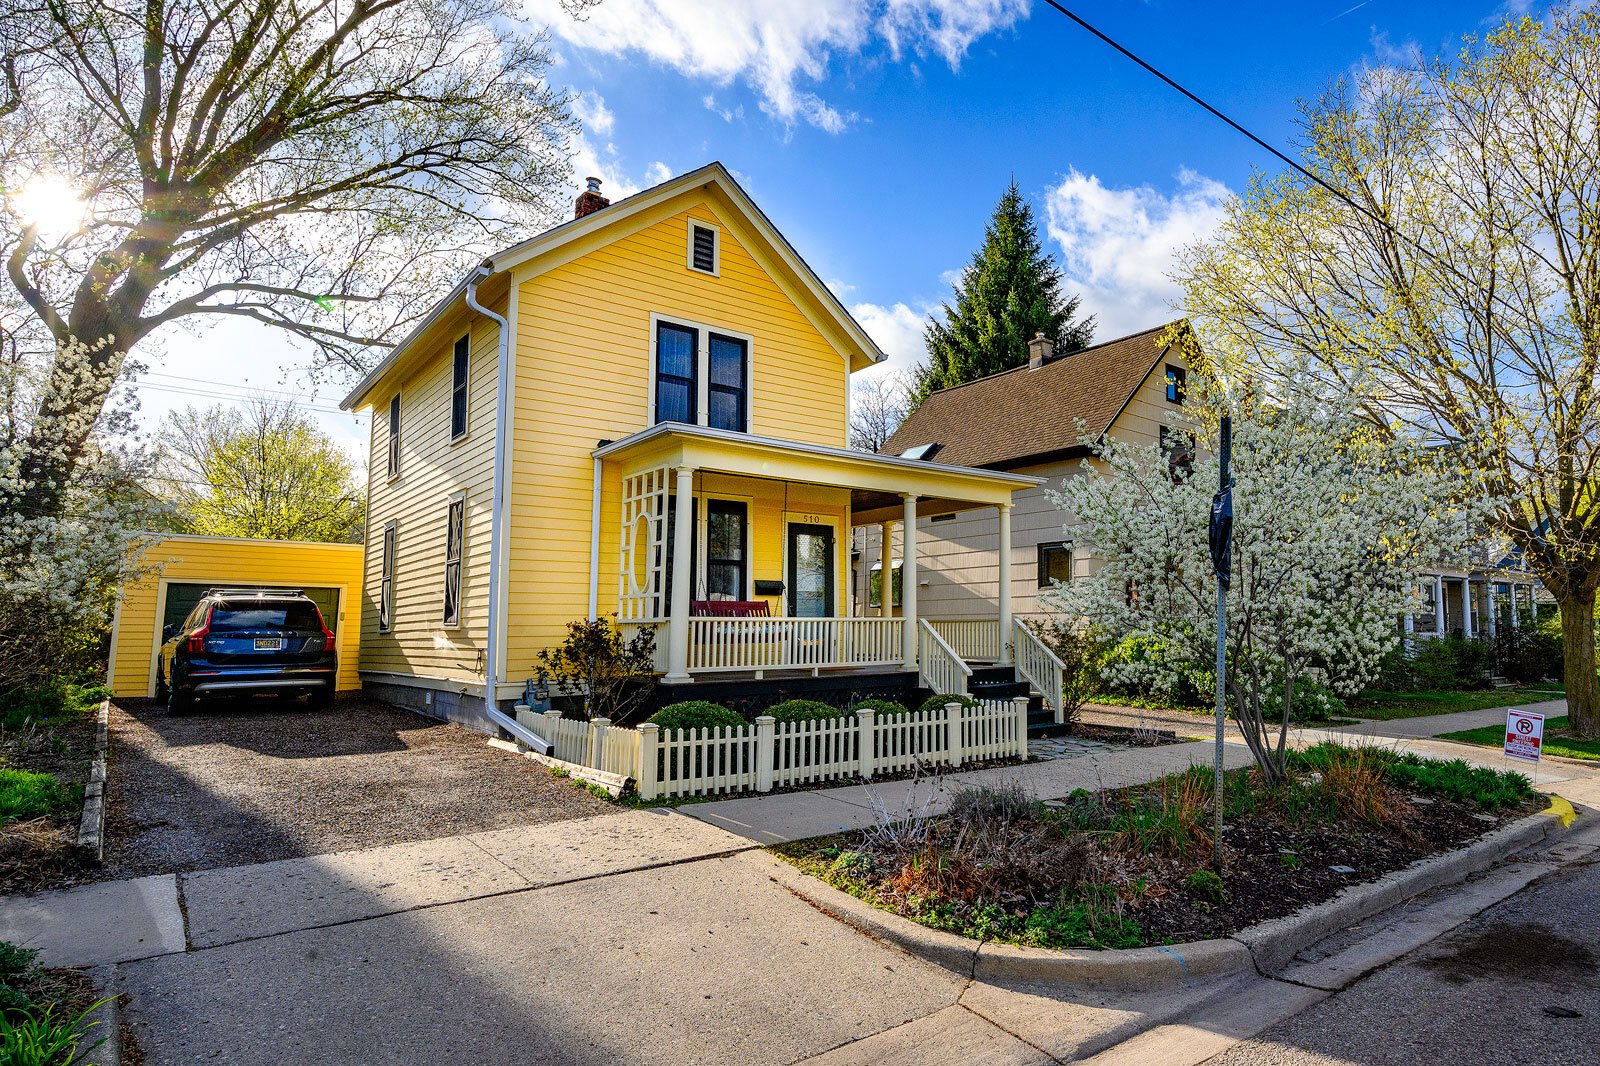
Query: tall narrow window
[[454, 533], [394, 436], [458, 390], [1177, 380], [703, 248], [726, 383], [1055, 564], [726, 551], [386, 581], [676, 363]]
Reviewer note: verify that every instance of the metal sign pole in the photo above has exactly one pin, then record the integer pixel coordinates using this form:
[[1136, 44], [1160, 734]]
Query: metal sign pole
[[1221, 537]]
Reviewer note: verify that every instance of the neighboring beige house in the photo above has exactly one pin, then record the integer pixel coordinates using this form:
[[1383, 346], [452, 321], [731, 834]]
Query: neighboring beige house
[[1030, 420]]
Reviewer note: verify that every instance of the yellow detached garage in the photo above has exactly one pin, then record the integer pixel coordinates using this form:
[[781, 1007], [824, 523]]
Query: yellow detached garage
[[185, 566]]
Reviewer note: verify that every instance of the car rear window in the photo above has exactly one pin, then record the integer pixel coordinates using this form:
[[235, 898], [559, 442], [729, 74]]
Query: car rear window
[[227, 618]]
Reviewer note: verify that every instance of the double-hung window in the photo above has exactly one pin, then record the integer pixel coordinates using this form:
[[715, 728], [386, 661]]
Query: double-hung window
[[394, 437], [702, 377], [454, 535], [459, 367], [386, 581]]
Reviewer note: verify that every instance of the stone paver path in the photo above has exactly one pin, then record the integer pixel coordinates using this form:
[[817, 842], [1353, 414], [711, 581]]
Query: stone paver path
[[1069, 747]]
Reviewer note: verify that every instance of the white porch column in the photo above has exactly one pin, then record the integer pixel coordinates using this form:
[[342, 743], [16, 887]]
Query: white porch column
[[1516, 623], [1466, 607], [682, 578], [1533, 602], [1003, 574], [886, 568], [908, 579], [1489, 604], [1438, 606], [863, 582]]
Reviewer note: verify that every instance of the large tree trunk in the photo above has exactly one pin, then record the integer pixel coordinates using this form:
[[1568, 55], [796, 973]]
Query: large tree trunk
[[1578, 663]]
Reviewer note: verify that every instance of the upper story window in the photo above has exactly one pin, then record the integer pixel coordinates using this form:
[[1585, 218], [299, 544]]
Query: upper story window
[[1177, 382], [394, 437], [1055, 563], [702, 377], [459, 366], [705, 248]]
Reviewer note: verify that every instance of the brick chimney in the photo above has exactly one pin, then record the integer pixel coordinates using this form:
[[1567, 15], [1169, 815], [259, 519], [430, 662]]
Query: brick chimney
[[590, 200], [1039, 351]]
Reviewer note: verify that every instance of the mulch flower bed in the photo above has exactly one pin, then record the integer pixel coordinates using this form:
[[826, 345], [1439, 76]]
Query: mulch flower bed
[[1132, 867], [41, 852]]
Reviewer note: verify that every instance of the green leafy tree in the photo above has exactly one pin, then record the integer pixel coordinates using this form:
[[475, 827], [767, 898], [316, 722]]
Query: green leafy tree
[[266, 472], [1010, 292]]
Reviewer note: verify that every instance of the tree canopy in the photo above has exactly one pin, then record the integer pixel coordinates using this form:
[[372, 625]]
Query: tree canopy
[[266, 472], [1450, 250], [1009, 293]]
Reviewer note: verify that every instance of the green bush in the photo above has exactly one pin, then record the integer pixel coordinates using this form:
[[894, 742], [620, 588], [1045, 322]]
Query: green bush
[[1313, 702], [1455, 779], [24, 795], [803, 711], [694, 714], [16, 967], [1186, 688], [884, 708], [937, 701], [54, 701], [1527, 654], [1207, 885], [1451, 662]]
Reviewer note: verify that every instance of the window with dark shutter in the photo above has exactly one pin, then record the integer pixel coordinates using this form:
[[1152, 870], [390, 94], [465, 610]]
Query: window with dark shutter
[[703, 249], [386, 581], [394, 436], [458, 390]]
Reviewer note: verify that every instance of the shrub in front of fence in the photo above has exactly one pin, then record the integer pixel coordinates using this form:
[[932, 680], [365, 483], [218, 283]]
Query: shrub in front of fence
[[938, 700], [803, 711], [882, 707]]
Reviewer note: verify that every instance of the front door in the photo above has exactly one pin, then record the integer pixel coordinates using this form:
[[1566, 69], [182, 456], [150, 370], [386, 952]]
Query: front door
[[810, 571]]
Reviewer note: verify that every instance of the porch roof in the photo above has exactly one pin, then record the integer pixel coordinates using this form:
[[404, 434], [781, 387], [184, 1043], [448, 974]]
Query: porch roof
[[877, 482]]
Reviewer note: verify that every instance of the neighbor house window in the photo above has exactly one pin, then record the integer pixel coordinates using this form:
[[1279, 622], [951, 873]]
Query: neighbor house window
[[701, 377], [1055, 563], [454, 533], [386, 581], [703, 248], [394, 436], [458, 390], [875, 589], [1177, 380], [1178, 448], [726, 550]]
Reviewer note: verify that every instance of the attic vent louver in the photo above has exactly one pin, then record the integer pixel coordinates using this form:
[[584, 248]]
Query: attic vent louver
[[703, 249]]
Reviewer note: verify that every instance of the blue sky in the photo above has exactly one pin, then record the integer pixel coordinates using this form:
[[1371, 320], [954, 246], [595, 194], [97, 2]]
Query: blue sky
[[878, 135]]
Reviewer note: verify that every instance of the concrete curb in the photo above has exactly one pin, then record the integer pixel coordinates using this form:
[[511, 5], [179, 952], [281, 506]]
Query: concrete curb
[[92, 827], [1267, 946]]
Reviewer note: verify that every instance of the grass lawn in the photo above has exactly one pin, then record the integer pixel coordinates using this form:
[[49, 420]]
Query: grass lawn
[[1494, 736], [1386, 705]]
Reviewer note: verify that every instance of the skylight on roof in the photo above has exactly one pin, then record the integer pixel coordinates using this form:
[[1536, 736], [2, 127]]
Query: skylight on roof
[[920, 451]]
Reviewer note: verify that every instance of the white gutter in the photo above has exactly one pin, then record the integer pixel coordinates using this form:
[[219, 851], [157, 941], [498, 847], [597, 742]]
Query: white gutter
[[492, 666], [594, 546]]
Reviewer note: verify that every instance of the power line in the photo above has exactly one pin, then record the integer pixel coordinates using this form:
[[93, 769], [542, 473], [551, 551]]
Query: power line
[[309, 397]]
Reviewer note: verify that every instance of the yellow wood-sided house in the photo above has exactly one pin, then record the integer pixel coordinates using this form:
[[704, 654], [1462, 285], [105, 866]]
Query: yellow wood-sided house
[[641, 412]]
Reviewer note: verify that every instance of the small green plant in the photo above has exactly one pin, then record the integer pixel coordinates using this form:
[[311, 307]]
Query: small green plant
[[24, 795], [614, 675], [884, 708], [695, 714], [41, 1038], [938, 700], [1289, 860], [1207, 885], [803, 711]]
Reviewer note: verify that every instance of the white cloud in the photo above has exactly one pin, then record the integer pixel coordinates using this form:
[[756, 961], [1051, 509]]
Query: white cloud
[[590, 109], [779, 47], [1117, 245], [726, 114], [656, 173], [897, 331], [594, 154]]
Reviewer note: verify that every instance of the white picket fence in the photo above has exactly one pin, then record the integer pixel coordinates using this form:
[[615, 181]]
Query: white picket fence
[[766, 754]]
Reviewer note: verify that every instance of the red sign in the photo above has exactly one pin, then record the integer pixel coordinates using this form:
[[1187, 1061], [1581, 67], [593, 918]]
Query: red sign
[[1524, 734]]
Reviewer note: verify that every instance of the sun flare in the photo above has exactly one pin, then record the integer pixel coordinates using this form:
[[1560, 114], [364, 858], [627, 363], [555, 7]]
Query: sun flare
[[50, 202]]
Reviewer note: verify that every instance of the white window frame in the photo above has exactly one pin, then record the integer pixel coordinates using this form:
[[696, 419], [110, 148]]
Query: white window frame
[[702, 354], [702, 511], [716, 246], [393, 443], [466, 412], [459, 561], [388, 563]]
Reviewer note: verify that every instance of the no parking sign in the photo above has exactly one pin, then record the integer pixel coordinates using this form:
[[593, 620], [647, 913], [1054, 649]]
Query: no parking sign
[[1524, 735]]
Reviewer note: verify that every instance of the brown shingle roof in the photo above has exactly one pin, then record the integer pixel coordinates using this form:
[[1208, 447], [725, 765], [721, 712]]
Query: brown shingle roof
[[1020, 414]]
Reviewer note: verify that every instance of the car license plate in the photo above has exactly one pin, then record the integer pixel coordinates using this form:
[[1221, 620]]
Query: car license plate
[[269, 644]]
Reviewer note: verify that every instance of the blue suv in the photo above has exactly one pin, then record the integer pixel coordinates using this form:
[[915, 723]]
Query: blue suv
[[244, 641]]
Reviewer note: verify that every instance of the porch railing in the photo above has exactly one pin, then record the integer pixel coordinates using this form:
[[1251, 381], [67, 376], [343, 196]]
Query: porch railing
[[971, 638], [938, 666], [1039, 666], [717, 644]]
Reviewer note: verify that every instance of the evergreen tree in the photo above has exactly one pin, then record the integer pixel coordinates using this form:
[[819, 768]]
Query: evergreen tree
[[1010, 292]]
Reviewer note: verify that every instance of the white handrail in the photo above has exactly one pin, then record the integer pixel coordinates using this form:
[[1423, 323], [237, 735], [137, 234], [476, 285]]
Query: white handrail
[[938, 666], [1040, 667], [970, 638]]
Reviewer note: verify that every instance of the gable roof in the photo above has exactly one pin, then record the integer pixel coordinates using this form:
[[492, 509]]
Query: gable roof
[[712, 176], [1017, 415]]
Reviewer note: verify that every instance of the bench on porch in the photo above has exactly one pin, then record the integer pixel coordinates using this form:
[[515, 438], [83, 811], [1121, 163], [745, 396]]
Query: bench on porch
[[730, 609]]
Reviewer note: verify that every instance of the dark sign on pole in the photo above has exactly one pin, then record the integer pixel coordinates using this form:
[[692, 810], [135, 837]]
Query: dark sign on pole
[[1221, 533]]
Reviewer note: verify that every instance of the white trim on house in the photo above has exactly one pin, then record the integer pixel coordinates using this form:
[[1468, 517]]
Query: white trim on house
[[716, 246], [702, 369]]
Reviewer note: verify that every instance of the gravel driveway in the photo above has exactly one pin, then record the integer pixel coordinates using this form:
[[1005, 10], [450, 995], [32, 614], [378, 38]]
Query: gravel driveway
[[264, 780]]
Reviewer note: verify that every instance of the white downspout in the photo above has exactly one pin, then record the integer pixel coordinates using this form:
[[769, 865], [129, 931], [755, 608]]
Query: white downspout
[[492, 666], [594, 545]]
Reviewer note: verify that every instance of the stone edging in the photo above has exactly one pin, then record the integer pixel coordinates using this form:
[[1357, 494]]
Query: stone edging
[[1267, 946], [92, 827]]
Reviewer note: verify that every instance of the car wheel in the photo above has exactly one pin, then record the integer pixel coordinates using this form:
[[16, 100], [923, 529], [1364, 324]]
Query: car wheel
[[178, 702]]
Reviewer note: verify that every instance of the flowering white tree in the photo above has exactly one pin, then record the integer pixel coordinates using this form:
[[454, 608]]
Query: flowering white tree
[[1333, 520], [61, 565]]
